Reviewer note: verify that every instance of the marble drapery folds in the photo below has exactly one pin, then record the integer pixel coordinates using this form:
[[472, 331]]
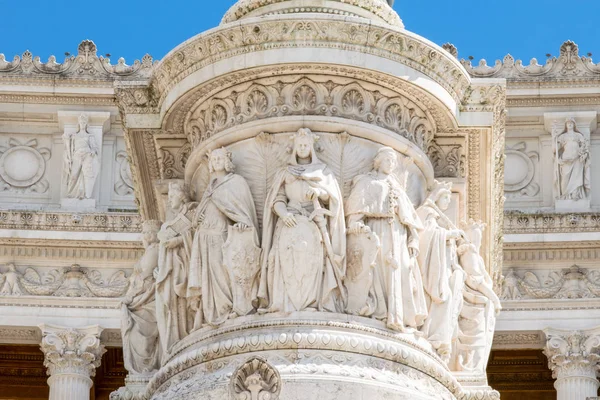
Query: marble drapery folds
[[176, 236], [443, 277], [226, 210], [81, 164], [379, 204], [141, 347], [304, 241], [572, 162]]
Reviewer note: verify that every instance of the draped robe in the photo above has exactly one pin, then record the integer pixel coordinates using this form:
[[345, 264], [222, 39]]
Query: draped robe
[[389, 213], [324, 290], [225, 202], [171, 283], [443, 280], [141, 348]]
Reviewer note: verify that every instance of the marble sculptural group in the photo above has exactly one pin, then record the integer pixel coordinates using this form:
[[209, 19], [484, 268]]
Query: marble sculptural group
[[371, 254]]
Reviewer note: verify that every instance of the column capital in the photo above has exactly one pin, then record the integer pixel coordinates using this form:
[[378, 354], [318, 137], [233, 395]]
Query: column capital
[[573, 353], [71, 350]]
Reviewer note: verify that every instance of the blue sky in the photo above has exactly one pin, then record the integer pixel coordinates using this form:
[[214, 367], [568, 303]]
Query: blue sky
[[130, 28]]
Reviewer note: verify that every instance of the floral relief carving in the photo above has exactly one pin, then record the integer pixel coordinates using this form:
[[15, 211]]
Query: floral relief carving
[[448, 160], [22, 167], [68, 282], [306, 96], [92, 222], [571, 283]]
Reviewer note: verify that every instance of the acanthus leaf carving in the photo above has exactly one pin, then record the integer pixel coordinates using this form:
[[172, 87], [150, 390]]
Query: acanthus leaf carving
[[306, 96], [70, 282]]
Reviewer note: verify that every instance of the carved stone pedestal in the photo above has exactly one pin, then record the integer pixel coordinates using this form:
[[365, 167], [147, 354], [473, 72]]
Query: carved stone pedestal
[[134, 389], [304, 355], [573, 358], [71, 356]]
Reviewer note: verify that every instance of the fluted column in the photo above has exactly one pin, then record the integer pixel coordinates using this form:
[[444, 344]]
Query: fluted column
[[573, 357], [71, 356]]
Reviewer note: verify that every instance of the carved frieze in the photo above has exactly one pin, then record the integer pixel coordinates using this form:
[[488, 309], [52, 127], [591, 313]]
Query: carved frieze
[[303, 95], [522, 222], [570, 283], [23, 166], [86, 64], [90, 222], [68, 282], [568, 65]]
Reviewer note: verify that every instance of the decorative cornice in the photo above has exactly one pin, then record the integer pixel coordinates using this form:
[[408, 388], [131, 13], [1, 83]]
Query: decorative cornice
[[62, 221], [86, 65], [378, 8], [516, 222], [296, 32], [538, 253], [568, 66]]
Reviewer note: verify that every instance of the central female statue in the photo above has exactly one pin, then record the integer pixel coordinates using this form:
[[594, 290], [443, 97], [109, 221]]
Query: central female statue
[[304, 235]]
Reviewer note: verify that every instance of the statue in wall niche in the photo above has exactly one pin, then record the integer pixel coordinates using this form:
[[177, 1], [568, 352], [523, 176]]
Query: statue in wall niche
[[443, 277], [225, 254], [141, 347], [378, 206], [480, 305], [81, 161], [304, 235], [572, 166], [176, 236]]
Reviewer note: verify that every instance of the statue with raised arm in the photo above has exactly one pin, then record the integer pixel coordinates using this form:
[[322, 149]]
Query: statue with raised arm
[[378, 205], [141, 347], [81, 164], [176, 234], [304, 235], [443, 277], [225, 253]]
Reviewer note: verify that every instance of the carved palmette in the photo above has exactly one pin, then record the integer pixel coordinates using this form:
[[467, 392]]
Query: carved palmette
[[362, 251], [241, 256]]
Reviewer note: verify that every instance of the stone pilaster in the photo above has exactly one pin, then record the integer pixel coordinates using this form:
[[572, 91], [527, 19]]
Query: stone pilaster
[[71, 356], [573, 357]]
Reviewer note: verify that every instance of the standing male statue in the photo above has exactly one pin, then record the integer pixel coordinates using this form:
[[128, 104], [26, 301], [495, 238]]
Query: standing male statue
[[225, 254], [81, 161]]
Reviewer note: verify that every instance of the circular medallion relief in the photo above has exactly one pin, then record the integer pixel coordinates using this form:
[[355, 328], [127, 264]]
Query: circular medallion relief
[[22, 166], [519, 171]]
